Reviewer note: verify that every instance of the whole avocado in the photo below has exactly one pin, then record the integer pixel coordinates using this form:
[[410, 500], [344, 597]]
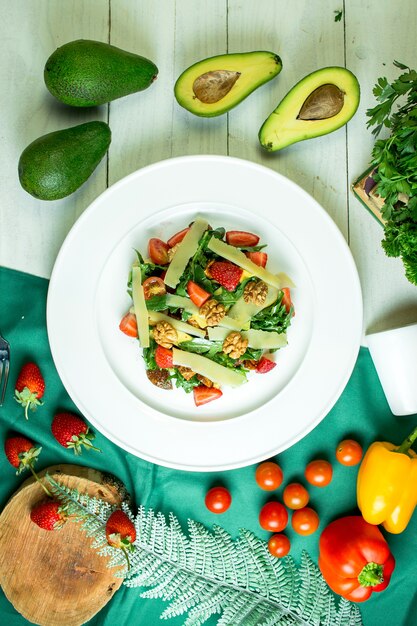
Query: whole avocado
[[57, 164], [85, 73]]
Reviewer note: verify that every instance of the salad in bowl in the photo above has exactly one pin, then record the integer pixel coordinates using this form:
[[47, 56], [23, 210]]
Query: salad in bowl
[[206, 310]]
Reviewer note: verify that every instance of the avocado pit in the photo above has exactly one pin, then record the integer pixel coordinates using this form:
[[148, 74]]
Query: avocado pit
[[324, 102], [213, 86]]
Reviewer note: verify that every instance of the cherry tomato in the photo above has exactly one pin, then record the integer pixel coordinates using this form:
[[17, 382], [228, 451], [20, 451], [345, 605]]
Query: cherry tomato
[[319, 473], [279, 545], [178, 237], [295, 496], [269, 476], [153, 286], [158, 251], [273, 517], [305, 521], [218, 499], [349, 452], [286, 299]]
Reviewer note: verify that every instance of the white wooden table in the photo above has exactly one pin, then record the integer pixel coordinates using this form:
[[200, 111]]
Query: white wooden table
[[150, 126]]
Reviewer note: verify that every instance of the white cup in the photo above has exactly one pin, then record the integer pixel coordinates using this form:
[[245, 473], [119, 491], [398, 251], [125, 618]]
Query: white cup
[[394, 353]]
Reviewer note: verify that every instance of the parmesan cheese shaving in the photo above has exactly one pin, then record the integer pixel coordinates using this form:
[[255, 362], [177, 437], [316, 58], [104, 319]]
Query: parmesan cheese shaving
[[186, 249], [140, 309], [208, 368]]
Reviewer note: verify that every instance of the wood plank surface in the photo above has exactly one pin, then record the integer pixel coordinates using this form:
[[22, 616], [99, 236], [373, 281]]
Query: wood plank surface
[[150, 125], [32, 231]]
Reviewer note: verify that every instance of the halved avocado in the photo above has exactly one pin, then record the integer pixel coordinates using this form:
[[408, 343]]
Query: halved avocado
[[214, 86], [319, 104]]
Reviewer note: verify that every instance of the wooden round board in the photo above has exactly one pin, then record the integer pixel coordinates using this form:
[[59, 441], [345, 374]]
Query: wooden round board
[[55, 578]]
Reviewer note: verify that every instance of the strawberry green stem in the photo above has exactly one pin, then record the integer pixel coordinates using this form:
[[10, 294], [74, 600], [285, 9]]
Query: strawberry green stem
[[46, 490], [371, 575], [408, 442], [127, 556]]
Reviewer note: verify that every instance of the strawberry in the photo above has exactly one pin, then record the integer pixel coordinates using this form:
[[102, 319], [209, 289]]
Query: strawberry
[[48, 515], [225, 273], [259, 258], [203, 394], [30, 387], [128, 325], [72, 432], [163, 357], [241, 238], [21, 452], [121, 532], [265, 365]]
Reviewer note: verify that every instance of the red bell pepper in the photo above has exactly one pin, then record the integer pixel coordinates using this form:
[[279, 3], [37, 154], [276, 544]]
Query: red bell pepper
[[355, 559]]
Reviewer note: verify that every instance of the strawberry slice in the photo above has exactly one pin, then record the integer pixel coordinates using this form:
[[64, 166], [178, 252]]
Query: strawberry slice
[[163, 357], [178, 237], [158, 251], [265, 365], [197, 294], [259, 258], [128, 325], [241, 238], [225, 273], [203, 394]]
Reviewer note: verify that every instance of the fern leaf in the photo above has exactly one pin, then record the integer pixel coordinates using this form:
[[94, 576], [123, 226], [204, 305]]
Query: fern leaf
[[313, 592], [207, 573], [348, 614]]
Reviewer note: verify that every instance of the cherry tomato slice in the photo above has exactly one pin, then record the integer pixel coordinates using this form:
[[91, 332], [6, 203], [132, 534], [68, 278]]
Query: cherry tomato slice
[[259, 258], [273, 517], [279, 545], [218, 499], [158, 251], [305, 521], [286, 299], [319, 473], [295, 496], [197, 294], [241, 238], [269, 476], [177, 238], [349, 452], [153, 286]]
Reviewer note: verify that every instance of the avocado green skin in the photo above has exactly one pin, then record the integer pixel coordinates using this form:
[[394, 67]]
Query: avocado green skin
[[57, 164], [87, 73]]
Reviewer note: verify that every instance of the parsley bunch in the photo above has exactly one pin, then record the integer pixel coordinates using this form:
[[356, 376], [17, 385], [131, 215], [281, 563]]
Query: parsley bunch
[[395, 162]]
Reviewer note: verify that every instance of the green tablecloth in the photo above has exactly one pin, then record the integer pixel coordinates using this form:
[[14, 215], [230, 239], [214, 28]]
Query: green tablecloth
[[361, 412]]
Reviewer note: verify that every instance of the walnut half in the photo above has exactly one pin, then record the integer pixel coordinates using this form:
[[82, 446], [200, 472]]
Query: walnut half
[[213, 311], [165, 334], [255, 291], [235, 345]]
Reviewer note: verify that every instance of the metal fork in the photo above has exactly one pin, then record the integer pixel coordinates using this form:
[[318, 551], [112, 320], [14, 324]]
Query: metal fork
[[4, 367]]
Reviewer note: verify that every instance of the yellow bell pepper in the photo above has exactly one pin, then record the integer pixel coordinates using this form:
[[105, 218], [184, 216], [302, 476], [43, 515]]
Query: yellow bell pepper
[[387, 484]]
